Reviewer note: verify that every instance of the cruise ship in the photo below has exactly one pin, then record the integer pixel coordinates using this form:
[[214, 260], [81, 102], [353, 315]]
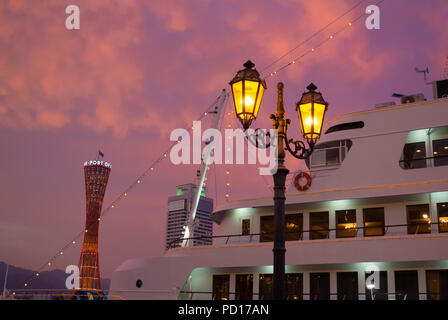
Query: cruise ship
[[371, 225]]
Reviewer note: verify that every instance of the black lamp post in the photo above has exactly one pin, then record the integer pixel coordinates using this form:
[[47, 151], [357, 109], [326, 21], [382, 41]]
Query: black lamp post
[[248, 89]]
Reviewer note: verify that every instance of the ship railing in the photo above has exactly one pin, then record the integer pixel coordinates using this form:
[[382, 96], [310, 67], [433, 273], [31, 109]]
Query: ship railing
[[423, 162], [209, 295], [64, 294], [58, 294], [313, 234]]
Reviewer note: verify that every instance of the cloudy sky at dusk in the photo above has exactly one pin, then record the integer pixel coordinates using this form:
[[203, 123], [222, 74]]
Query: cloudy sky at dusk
[[138, 69]]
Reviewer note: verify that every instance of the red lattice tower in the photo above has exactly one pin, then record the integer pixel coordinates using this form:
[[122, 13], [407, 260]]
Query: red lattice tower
[[96, 175]]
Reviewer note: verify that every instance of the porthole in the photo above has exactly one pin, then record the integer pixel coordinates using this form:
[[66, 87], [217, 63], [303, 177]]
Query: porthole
[[139, 283]]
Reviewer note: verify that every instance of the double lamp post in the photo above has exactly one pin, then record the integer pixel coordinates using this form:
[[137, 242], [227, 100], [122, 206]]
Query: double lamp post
[[247, 89]]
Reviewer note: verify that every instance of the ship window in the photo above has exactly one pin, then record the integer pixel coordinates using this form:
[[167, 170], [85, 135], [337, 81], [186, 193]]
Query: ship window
[[245, 227], [320, 286], [346, 223], [437, 284], [329, 153], [373, 221], [221, 287], [319, 225], [266, 228], [442, 212], [418, 219], [293, 227], [265, 287], [347, 285], [381, 292], [413, 156], [244, 286], [440, 152], [139, 283], [406, 285], [294, 286], [345, 126]]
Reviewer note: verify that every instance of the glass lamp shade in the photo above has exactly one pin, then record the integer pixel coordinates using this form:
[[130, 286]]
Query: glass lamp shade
[[311, 111], [247, 90]]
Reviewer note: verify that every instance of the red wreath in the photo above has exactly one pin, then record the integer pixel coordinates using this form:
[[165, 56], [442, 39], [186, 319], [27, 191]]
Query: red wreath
[[306, 185]]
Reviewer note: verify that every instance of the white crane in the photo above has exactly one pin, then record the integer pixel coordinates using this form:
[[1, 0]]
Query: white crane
[[189, 229]]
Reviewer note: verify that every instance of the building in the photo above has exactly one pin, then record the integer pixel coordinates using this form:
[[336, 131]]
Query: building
[[373, 223], [96, 175], [179, 211]]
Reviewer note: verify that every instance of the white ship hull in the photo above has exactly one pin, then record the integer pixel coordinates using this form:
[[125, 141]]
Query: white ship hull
[[372, 173]]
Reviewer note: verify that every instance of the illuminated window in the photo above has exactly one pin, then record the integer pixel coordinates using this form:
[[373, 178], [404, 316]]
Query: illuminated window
[[265, 287], [294, 286], [319, 225], [437, 284], [440, 152], [293, 227], [442, 212], [346, 223], [266, 228], [413, 156], [418, 219], [245, 227], [221, 287], [373, 222]]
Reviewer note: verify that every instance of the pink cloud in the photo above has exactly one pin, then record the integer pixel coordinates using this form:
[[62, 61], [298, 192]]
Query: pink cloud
[[107, 75]]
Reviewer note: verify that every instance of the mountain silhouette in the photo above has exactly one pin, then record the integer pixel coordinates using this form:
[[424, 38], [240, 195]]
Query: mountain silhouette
[[54, 279]]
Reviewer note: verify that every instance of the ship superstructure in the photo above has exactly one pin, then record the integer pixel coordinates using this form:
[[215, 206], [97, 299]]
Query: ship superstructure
[[373, 223]]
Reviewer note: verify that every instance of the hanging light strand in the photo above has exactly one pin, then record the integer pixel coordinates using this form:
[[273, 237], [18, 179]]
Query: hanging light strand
[[229, 121], [313, 35], [117, 200], [313, 49]]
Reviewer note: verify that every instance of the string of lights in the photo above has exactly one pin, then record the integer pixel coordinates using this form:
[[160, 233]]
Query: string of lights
[[229, 121], [117, 200], [313, 35], [314, 48]]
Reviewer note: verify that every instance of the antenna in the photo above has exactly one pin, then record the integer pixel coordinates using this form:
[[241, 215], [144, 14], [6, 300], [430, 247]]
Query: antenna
[[424, 71], [445, 70], [4, 283]]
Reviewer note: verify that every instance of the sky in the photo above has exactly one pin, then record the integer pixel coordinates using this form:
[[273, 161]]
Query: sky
[[136, 70]]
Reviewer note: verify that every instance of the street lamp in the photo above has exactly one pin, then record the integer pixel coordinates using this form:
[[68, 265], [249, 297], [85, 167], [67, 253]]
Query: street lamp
[[311, 109], [248, 89]]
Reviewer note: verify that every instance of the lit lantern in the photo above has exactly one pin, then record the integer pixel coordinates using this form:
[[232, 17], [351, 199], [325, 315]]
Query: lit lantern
[[311, 109], [247, 90]]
